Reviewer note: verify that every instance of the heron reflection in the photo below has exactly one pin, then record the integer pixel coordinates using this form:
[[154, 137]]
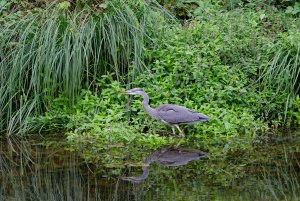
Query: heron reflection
[[167, 157]]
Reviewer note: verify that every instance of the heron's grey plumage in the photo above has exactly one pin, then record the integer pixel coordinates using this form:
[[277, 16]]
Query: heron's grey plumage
[[175, 114], [170, 114]]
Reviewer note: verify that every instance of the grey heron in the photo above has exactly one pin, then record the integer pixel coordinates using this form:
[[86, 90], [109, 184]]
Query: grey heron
[[170, 114]]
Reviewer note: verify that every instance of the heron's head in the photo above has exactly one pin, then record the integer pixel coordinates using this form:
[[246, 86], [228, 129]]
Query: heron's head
[[133, 91]]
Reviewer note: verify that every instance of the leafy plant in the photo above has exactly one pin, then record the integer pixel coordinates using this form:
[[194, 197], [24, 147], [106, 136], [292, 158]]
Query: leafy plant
[[293, 10]]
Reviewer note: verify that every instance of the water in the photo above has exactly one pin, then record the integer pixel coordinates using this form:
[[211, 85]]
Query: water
[[35, 170]]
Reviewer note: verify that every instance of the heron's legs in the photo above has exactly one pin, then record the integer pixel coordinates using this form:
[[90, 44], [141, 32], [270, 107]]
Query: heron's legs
[[173, 129], [181, 132]]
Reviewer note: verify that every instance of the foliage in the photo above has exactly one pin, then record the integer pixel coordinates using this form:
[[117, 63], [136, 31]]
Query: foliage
[[98, 125], [186, 69], [186, 9], [57, 51], [293, 10], [296, 111], [281, 76], [18, 7], [254, 42], [216, 65]]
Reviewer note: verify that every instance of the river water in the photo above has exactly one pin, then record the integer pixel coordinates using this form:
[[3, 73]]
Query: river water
[[35, 169]]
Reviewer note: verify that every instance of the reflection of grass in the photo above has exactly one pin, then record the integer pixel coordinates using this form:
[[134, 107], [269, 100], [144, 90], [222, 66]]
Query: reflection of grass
[[31, 171], [36, 173], [283, 181]]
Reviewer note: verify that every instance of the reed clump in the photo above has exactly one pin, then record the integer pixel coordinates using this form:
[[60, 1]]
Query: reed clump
[[59, 50]]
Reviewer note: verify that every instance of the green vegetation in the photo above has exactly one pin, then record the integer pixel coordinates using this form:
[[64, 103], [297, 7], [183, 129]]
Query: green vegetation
[[237, 62], [56, 51]]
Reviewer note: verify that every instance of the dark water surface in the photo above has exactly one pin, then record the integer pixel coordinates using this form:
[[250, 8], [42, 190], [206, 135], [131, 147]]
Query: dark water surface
[[31, 170]]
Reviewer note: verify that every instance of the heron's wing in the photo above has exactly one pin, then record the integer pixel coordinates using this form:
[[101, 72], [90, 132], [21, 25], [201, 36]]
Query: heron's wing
[[175, 114]]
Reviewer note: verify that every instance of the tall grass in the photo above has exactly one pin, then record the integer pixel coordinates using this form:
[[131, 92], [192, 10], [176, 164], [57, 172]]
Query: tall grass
[[284, 71], [283, 75], [54, 51]]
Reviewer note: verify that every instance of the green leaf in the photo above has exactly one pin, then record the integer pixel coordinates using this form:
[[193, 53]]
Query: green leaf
[[63, 5], [103, 5]]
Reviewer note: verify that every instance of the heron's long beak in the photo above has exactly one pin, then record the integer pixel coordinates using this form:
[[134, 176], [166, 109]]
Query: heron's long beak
[[123, 92]]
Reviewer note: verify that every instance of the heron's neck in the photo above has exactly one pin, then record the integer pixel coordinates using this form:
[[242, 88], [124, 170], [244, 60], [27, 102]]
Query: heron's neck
[[146, 105], [145, 172], [140, 178]]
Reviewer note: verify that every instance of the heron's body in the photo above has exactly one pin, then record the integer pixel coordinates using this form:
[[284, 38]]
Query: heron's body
[[175, 115], [170, 114]]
